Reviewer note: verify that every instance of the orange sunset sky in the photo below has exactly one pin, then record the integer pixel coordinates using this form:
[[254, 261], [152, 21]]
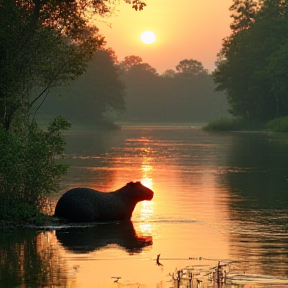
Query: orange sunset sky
[[185, 29]]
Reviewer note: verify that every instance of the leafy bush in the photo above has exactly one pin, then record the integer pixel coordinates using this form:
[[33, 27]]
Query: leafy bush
[[233, 124], [278, 124], [29, 170]]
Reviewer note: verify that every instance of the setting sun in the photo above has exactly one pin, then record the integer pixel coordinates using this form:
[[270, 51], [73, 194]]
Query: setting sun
[[188, 36], [148, 37]]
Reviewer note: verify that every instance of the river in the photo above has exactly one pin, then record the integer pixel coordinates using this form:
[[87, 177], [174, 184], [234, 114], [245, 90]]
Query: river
[[218, 197]]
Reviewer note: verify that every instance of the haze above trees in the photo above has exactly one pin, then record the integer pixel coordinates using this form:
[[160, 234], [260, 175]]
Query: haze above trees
[[251, 70], [183, 95]]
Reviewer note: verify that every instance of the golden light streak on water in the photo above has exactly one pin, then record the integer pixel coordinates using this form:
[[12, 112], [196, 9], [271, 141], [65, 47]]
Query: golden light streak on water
[[205, 205]]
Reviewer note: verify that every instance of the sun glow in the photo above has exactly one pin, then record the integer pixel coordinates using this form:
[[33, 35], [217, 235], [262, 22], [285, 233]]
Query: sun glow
[[147, 182], [148, 37]]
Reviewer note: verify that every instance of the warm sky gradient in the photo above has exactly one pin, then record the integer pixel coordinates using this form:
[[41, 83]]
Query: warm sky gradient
[[185, 29]]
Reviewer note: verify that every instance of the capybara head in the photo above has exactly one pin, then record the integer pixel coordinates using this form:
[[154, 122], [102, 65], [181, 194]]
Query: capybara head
[[139, 192]]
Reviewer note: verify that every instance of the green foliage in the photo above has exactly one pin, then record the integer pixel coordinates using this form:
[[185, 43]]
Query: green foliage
[[252, 68], [29, 170], [278, 124], [243, 14], [233, 124], [40, 49]]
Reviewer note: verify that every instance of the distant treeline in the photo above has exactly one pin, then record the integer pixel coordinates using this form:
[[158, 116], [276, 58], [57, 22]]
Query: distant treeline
[[133, 91], [184, 95], [251, 69]]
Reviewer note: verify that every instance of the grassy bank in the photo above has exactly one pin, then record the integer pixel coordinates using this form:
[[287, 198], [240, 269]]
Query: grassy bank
[[239, 124], [234, 124]]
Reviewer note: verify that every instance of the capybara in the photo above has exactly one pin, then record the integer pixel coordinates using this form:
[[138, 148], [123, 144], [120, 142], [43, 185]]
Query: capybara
[[88, 205]]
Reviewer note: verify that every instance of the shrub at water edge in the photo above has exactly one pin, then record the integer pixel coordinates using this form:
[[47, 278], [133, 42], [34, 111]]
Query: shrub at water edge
[[233, 124], [278, 124], [29, 169]]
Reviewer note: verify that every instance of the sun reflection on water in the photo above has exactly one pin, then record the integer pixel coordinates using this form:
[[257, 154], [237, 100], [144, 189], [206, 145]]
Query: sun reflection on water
[[146, 207], [146, 211]]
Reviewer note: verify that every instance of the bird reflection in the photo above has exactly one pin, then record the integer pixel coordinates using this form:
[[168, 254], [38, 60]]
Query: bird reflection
[[88, 239]]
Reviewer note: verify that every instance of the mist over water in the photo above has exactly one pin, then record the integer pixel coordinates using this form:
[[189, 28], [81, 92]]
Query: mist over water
[[217, 197]]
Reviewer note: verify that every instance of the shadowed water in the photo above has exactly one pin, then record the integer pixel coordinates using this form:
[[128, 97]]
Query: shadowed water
[[218, 197]]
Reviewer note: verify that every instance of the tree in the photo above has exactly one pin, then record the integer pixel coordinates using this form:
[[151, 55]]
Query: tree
[[244, 74], [276, 73], [243, 15], [44, 43], [190, 68], [170, 97], [170, 73], [40, 48], [129, 62], [142, 70], [136, 4], [93, 95]]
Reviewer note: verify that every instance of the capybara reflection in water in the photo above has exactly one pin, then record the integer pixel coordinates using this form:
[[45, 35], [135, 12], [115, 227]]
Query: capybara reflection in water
[[88, 205]]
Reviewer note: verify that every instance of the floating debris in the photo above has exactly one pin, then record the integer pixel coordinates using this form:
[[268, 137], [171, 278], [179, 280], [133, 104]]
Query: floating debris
[[116, 279]]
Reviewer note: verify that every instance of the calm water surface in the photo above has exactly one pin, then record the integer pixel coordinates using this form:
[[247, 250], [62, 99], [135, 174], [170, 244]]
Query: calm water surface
[[218, 197]]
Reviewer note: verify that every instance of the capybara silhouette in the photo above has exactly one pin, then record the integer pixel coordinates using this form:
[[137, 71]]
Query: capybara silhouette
[[88, 205]]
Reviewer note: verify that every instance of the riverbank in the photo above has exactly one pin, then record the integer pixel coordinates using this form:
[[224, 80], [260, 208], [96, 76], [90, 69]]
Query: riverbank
[[239, 124]]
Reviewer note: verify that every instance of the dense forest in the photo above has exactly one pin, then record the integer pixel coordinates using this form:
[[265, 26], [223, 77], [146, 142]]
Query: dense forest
[[253, 62], [132, 91]]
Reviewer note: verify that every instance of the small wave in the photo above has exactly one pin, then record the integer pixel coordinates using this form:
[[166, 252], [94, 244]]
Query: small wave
[[256, 278], [93, 224], [72, 225], [168, 221]]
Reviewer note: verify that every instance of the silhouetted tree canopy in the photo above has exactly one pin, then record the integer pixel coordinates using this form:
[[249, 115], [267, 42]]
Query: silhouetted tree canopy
[[183, 96], [129, 62], [190, 68], [148, 97], [43, 44], [252, 67], [170, 73]]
